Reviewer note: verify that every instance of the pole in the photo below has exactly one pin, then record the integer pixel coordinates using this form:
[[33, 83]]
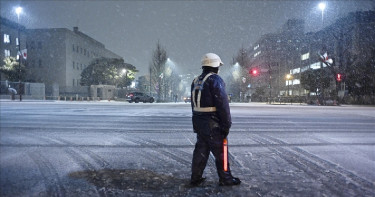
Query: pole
[[270, 82], [150, 81], [19, 58], [321, 90]]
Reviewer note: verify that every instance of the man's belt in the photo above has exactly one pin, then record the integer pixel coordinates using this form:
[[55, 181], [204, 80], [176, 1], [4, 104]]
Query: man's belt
[[204, 109]]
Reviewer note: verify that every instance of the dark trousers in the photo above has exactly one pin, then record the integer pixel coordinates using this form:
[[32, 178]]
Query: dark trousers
[[204, 145]]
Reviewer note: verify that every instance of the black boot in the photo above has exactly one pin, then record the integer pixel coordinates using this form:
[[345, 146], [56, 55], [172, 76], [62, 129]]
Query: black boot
[[230, 182], [195, 183]]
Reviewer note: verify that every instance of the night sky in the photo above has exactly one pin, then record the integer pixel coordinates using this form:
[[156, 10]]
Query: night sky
[[186, 29]]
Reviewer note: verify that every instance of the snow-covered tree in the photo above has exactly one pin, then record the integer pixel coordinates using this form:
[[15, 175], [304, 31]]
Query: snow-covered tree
[[11, 69], [109, 71], [157, 68]]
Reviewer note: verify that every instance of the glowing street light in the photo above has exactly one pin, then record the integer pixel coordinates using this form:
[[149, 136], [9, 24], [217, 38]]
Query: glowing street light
[[236, 71], [322, 7], [18, 12]]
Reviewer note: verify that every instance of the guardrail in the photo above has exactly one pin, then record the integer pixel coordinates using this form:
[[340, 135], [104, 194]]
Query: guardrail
[[74, 98]]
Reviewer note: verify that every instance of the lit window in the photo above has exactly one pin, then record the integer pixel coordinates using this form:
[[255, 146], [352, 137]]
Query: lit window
[[315, 65], [305, 56], [257, 53], [7, 53], [296, 70], [296, 81], [305, 68], [6, 38], [256, 47]]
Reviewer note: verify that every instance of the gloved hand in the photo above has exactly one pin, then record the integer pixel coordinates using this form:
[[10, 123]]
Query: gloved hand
[[225, 132]]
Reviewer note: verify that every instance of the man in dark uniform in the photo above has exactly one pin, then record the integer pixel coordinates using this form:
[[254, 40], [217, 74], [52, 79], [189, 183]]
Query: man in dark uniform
[[211, 121]]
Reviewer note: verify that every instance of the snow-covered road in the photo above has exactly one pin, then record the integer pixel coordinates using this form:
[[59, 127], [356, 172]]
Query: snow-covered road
[[122, 149]]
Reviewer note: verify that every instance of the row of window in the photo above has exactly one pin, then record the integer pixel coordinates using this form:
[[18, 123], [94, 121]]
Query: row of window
[[78, 66], [305, 56], [84, 51], [316, 65], [7, 54], [76, 82], [292, 82], [256, 47], [257, 53], [7, 39]]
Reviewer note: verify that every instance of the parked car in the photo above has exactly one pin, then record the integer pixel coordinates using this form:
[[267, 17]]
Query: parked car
[[187, 99], [139, 97]]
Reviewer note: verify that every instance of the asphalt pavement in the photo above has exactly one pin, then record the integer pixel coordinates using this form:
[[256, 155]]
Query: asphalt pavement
[[106, 148]]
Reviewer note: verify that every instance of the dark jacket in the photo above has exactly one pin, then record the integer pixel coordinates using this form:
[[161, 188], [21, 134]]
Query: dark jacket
[[212, 95]]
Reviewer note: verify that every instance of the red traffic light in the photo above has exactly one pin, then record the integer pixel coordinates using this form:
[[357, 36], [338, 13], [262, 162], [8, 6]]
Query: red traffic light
[[339, 77], [254, 72]]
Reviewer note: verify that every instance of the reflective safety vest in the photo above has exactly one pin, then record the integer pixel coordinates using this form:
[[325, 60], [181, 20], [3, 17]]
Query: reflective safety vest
[[198, 86]]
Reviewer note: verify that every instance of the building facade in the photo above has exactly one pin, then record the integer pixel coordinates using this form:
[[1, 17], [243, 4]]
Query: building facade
[[273, 55], [349, 42], [12, 34], [58, 56]]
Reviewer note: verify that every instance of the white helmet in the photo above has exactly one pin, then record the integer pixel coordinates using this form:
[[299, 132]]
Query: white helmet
[[211, 60]]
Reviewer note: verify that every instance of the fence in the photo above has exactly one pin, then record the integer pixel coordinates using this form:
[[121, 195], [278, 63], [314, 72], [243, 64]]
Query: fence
[[28, 90]]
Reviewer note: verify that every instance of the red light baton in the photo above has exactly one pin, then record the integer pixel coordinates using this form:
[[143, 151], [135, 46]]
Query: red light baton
[[225, 150]]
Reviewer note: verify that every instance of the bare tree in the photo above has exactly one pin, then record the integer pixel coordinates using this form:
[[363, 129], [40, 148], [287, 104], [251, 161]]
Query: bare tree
[[157, 68], [238, 85]]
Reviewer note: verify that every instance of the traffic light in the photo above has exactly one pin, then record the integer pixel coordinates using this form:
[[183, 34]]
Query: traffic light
[[254, 72], [339, 77]]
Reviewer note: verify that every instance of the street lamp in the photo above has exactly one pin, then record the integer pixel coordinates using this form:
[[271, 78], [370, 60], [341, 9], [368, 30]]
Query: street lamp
[[169, 81], [322, 7], [18, 12]]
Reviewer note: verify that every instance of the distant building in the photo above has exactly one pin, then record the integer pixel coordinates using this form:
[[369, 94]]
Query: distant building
[[9, 43], [57, 57], [273, 55], [348, 41]]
